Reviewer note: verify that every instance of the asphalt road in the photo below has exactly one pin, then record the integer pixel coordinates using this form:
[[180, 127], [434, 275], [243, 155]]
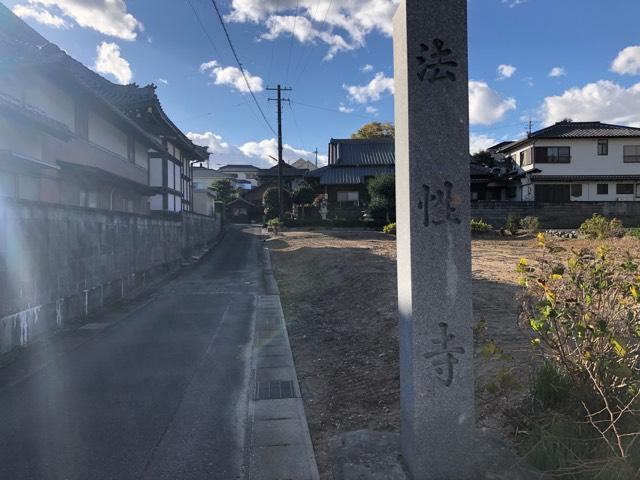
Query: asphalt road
[[160, 394]]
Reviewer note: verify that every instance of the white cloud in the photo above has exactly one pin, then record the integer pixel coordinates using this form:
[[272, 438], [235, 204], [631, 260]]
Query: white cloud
[[604, 101], [371, 110], [372, 91], [486, 106], [344, 109], [255, 153], [628, 61], [557, 72], [367, 68], [356, 19], [109, 17], [506, 71], [213, 142], [109, 62], [302, 29], [40, 15], [163, 81], [232, 76], [478, 143], [513, 3]]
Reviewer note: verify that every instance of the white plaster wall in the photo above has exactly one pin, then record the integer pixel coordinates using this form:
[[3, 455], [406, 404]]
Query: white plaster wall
[[176, 176], [171, 174], [45, 96], [142, 156], [590, 192], [20, 140], [156, 202], [155, 173], [585, 159], [11, 85], [107, 135]]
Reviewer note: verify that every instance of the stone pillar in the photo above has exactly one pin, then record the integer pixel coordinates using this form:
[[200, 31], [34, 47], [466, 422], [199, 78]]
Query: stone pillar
[[433, 235]]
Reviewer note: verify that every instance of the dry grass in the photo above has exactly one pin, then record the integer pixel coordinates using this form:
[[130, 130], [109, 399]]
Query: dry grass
[[339, 295]]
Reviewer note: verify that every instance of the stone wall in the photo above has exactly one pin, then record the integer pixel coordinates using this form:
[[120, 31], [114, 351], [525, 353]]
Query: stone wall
[[60, 263], [556, 215]]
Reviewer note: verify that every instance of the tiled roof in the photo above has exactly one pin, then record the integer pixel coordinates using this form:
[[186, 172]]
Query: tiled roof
[[239, 168], [287, 171], [585, 130], [570, 130], [480, 170], [585, 178], [362, 152], [336, 175], [21, 46], [128, 98]]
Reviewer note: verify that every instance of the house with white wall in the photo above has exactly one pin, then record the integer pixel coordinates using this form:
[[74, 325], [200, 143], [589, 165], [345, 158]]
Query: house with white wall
[[578, 162], [60, 141], [171, 164]]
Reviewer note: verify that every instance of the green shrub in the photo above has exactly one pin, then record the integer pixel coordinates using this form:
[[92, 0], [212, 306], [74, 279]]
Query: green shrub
[[598, 227], [634, 232], [479, 225], [513, 224], [273, 225], [389, 229], [584, 315], [551, 385], [531, 224]]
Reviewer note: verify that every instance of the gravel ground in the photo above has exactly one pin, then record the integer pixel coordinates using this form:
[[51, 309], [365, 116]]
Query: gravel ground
[[339, 296]]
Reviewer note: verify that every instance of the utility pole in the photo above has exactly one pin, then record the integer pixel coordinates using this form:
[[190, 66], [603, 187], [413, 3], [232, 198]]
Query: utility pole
[[316, 152], [279, 100]]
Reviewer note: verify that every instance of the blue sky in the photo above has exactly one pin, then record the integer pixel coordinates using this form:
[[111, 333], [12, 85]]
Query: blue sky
[[539, 59]]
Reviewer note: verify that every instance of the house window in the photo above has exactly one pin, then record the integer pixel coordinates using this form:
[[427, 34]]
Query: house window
[[603, 189], [82, 121], [344, 197], [637, 190], [553, 154], [632, 154], [624, 189], [603, 146], [522, 158], [576, 190]]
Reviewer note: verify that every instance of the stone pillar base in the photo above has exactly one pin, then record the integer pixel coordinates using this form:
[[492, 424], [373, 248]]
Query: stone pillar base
[[369, 455]]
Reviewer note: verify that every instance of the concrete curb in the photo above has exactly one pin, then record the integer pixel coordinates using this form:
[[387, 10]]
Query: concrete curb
[[280, 442]]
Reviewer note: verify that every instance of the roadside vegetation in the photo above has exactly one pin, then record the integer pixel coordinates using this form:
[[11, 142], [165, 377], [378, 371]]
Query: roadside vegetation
[[581, 310], [539, 381]]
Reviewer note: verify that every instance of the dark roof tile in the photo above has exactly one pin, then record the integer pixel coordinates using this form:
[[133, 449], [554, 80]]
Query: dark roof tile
[[362, 152]]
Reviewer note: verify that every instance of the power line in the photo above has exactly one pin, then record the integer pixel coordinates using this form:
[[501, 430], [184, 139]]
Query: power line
[[318, 107], [244, 74], [306, 64], [204, 30], [293, 31], [295, 121]]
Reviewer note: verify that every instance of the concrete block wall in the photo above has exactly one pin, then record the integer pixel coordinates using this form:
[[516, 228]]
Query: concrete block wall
[[556, 215], [60, 263]]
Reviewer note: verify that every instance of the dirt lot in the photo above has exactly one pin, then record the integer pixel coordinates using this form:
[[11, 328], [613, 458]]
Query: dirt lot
[[339, 295]]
